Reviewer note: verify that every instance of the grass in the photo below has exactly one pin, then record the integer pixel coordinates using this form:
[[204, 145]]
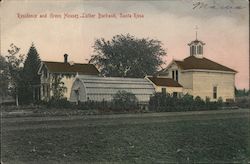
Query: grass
[[225, 140]]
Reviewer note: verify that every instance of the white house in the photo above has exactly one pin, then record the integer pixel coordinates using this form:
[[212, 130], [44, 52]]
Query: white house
[[200, 76], [66, 70]]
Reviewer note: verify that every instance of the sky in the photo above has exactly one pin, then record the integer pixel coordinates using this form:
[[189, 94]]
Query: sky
[[222, 24]]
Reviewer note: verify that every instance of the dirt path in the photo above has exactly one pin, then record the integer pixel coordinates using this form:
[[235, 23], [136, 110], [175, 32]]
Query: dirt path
[[25, 123]]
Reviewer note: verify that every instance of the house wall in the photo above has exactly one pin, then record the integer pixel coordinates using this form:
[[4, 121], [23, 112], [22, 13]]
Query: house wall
[[68, 82], [203, 83], [46, 84], [186, 80], [169, 90]]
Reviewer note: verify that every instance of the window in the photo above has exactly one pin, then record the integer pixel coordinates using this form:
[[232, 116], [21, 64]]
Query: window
[[176, 75], [215, 92], [175, 94], [43, 90], [173, 74], [163, 90], [45, 73], [199, 49], [193, 50]]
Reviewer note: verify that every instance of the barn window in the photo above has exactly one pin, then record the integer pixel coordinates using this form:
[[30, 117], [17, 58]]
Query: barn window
[[176, 75], [215, 92], [163, 90], [173, 75], [193, 50], [199, 49]]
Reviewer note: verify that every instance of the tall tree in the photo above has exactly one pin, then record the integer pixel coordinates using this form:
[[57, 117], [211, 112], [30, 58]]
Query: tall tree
[[14, 63], [31, 79], [31, 66], [127, 56]]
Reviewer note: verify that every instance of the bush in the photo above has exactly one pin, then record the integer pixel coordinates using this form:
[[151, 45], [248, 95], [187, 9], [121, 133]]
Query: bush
[[58, 103], [124, 100], [164, 102], [243, 102], [92, 105]]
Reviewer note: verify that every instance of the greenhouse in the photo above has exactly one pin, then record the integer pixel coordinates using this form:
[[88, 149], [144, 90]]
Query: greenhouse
[[86, 88]]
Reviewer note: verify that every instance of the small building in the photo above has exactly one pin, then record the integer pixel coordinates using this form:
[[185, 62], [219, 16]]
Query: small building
[[65, 70], [200, 76], [86, 88], [166, 85]]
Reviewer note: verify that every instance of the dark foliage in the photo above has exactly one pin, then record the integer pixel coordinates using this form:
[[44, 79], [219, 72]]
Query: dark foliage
[[163, 102], [243, 102], [31, 66], [58, 103], [242, 92], [127, 56], [30, 77], [4, 76], [123, 100]]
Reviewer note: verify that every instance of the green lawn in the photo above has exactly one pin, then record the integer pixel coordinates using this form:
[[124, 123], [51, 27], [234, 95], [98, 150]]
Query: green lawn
[[225, 140]]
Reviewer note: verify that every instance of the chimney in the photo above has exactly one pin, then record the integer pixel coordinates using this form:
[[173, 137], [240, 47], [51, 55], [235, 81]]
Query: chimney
[[65, 58]]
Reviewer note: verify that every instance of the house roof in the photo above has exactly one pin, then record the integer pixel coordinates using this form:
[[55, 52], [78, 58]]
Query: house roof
[[168, 82], [61, 67], [193, 62]]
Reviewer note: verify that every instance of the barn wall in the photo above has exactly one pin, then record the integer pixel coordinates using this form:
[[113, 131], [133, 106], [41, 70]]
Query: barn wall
[[203, 83]]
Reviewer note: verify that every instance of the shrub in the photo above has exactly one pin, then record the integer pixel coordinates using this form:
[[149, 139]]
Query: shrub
[[124, 100], [58, 103], [164, 102], [243, 102]]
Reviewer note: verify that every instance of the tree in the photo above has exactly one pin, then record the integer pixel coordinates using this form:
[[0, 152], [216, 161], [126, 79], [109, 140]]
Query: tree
[[31, 79], [31, 66], [124, 100], [14, 64], [4, 77], [58, 87], [127, 56]]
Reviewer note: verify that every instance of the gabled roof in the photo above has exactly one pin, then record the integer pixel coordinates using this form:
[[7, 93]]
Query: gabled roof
[[166, 82], [193, 62], [61, 67]]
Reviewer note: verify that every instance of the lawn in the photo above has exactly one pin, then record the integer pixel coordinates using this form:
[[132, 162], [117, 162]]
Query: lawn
[[189, 141]]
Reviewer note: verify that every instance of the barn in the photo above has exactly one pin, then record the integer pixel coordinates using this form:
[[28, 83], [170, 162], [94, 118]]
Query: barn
[[86, 88]]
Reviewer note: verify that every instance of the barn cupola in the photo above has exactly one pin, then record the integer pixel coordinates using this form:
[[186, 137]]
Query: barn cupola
[[196, 47]]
